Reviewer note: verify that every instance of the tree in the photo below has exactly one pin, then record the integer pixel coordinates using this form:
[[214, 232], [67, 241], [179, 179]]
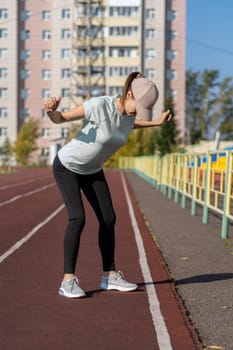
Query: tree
[[224, 111], [167, 140], [26, 141], [5, 149], [5, 152], [209, 105]]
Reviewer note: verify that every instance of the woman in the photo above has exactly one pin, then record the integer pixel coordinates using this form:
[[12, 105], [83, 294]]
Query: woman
[[107, 122]]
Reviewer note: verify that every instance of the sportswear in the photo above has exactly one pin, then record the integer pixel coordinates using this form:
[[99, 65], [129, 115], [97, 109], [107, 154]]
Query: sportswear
[[70, 288], [117, 281], [103, 132]]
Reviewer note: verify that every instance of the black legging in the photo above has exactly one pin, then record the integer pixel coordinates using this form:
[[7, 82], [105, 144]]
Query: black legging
[[96, 190]]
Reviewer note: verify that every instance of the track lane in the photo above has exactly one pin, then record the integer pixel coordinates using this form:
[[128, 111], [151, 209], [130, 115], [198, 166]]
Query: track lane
[[102, 320], [20, 216], [22, 175], [40, 319], [14, 189]]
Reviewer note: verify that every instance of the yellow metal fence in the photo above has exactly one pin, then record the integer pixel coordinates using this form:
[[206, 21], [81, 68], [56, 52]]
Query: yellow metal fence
[[206, 179]]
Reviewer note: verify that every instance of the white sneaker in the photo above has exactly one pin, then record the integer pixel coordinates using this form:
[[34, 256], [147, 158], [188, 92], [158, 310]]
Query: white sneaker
[[70, 288], [116, 281]]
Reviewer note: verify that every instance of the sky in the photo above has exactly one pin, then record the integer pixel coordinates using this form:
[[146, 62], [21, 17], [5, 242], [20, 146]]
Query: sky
[[209, 36]]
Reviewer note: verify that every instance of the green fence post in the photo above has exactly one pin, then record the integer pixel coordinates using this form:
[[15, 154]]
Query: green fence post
[[194, 189], [226, 205], [184, 174], [176, 195], [170, 160], [207, 191]]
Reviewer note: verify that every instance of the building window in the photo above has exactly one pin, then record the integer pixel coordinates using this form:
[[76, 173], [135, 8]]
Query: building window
[[121, 71], [97, 71], [25, 55], [65, 54], [43, 113], [123, 51], [150, 33], [171, 55], [3, 13], [123, 11], [171, 74], [44, 151], [64, 133], [3, 92], [95, 52], [46, 35], [65, 73], [171, 15], [3, 112], [24, 94], [25, 35], [3, 33], [95, 11], [150, 73], [24, 113], [25, 15], [24, 74], [3, 73], [45, 93], [150, 53], [172, 35], [3, 53], [3, 132], [46, 55], [123, 31], [172, 93], [46, 74], [66, 13], [65, 92], [46, 15], [45, 132], [113, 90], [150, 13], [65, 34], [93, 31]]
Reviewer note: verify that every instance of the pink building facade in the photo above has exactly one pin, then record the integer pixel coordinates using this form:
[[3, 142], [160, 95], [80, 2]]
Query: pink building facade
[[38, 57]]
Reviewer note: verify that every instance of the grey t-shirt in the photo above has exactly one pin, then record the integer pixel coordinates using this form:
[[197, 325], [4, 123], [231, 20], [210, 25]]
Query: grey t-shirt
[[103, 132]]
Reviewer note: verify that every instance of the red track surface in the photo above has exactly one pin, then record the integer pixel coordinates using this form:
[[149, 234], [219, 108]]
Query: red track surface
[[34, 316]]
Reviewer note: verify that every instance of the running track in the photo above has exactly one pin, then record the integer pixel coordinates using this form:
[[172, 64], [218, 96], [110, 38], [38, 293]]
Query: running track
[[34, 316]]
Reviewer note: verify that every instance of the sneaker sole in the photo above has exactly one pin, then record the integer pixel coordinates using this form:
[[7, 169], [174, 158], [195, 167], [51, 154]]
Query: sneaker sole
[[63, 293], [119, 288]]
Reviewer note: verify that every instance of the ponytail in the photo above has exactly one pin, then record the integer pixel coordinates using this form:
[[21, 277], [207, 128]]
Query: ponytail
[[127, 85]]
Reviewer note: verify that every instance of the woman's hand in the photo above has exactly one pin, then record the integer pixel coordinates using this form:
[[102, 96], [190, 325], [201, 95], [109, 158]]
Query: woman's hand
[[51, 104], [164, 118]]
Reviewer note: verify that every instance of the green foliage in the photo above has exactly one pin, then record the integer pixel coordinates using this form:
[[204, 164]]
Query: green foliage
[[26, 141], [209, 105], [167, 140], [5, 149]]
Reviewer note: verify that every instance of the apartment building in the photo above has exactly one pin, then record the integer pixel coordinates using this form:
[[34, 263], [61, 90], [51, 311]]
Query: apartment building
[[80, 49]]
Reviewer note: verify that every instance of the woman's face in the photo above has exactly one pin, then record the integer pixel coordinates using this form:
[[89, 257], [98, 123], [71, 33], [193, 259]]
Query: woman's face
[[130, 105]]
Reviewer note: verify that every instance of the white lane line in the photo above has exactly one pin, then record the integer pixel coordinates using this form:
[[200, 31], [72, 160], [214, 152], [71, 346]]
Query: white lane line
[[26, 238], [22, 183], [13, 199], [161, 331]]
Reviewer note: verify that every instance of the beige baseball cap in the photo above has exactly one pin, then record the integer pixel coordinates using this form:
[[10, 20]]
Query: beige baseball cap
[[145, 93]]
